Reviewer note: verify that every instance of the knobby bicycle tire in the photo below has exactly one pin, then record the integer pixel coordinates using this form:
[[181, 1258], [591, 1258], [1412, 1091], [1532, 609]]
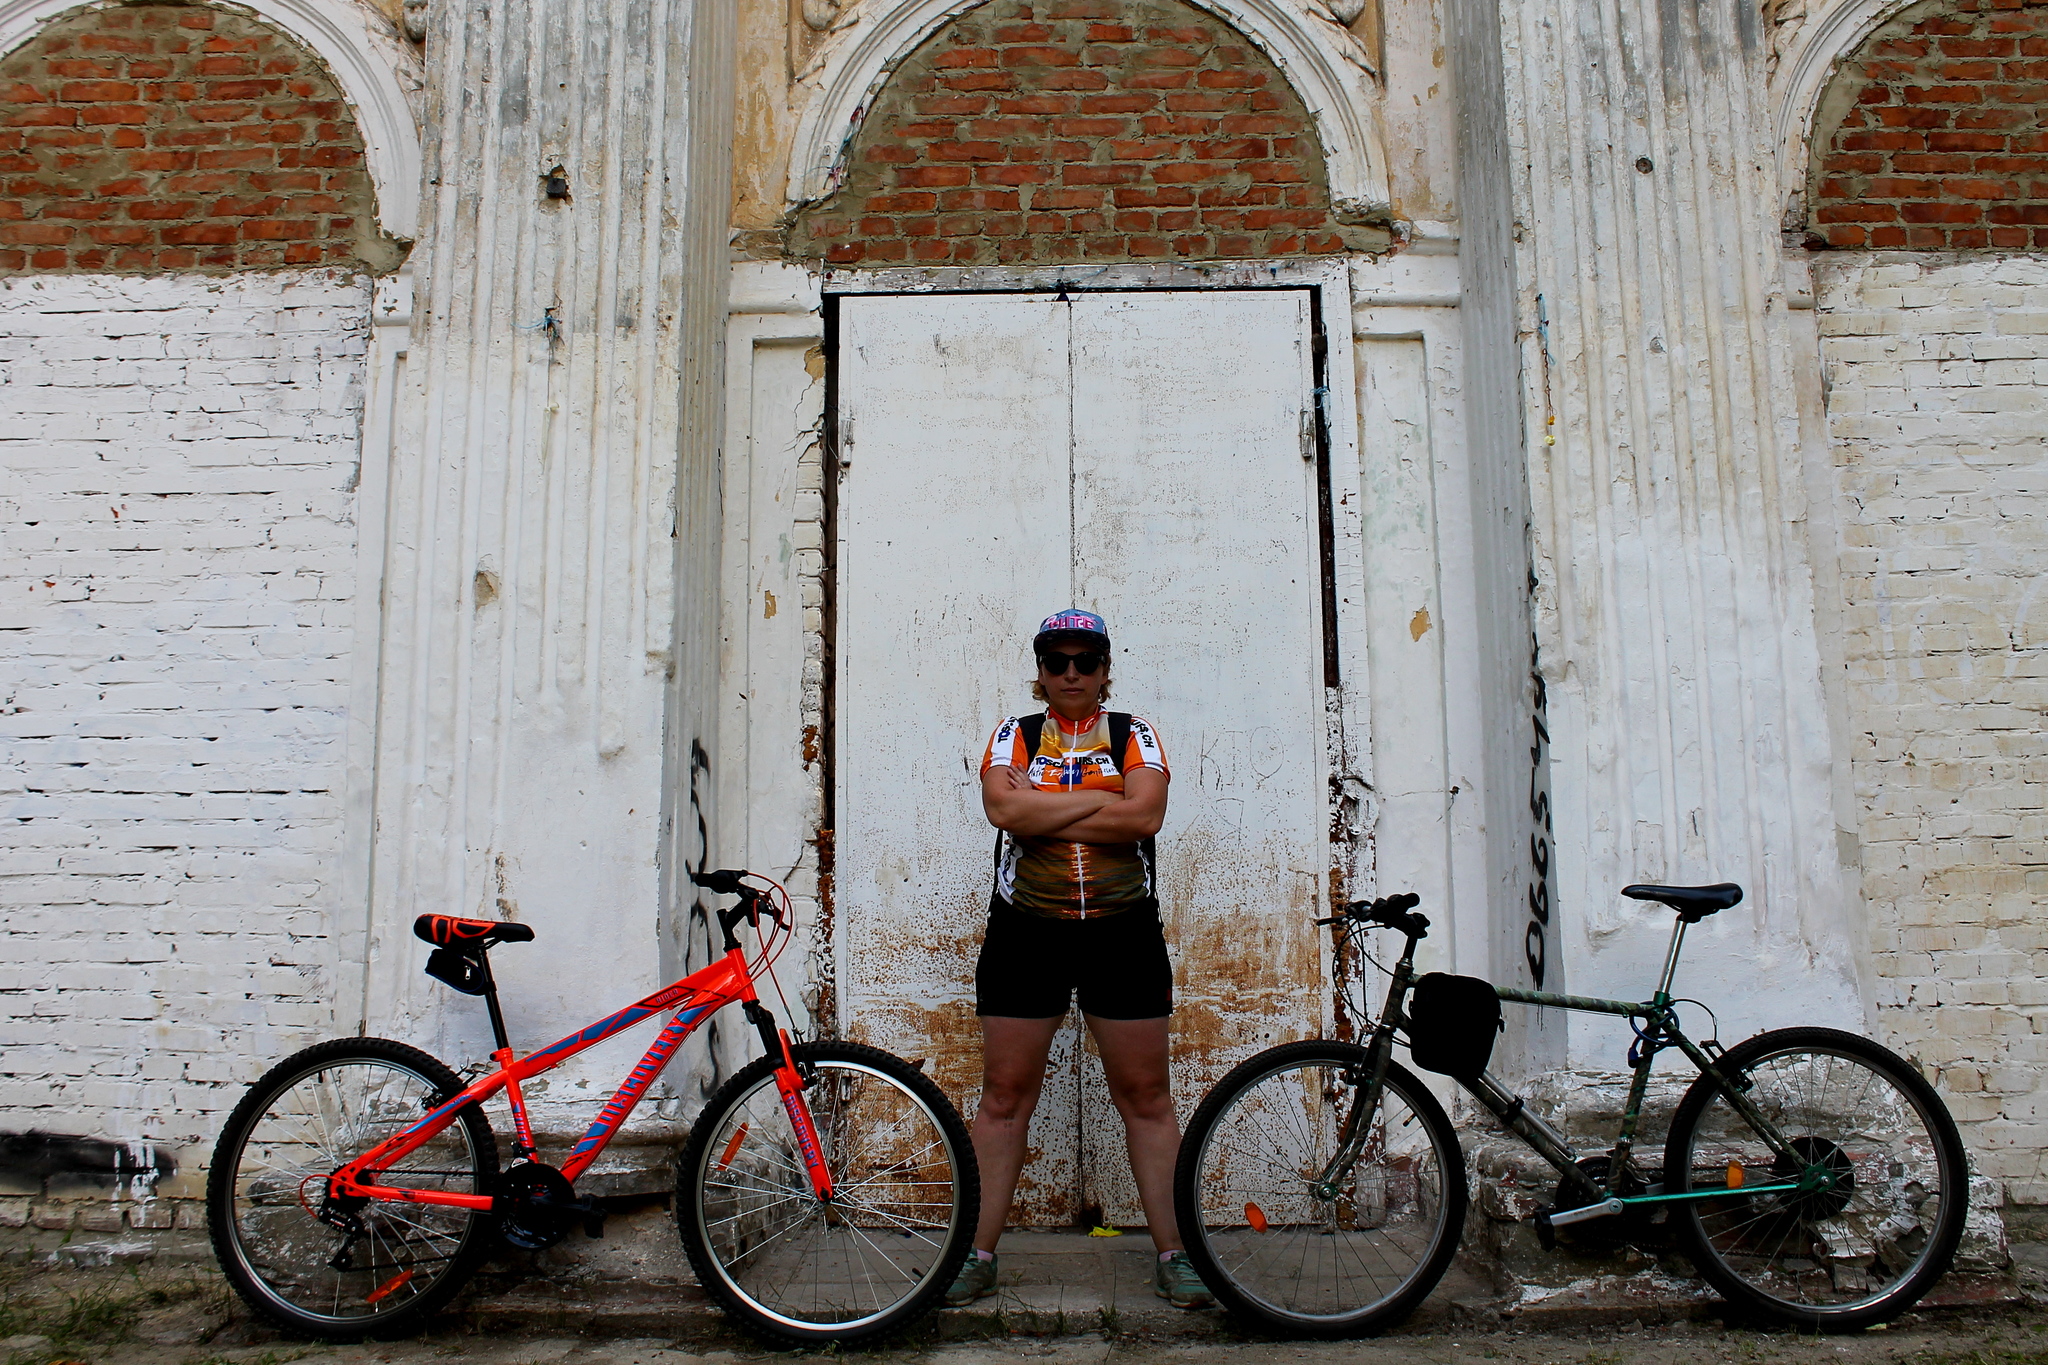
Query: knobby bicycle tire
[[1835, 1260], [1273, 1248], [879, 1256], [306, 1117]]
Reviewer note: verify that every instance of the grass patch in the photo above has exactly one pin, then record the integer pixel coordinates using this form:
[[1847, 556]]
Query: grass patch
[[104, 1311]]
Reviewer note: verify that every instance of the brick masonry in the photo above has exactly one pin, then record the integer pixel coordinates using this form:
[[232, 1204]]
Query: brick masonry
[[1937, 370], [1935, 135], [178, 138], [1081, 130], [176, 482]]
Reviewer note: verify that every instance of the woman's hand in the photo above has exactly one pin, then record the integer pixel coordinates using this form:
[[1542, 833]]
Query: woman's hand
[[1013, 804]]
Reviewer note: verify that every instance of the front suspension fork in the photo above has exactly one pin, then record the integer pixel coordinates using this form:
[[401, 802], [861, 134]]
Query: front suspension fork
[[1357, 1129]]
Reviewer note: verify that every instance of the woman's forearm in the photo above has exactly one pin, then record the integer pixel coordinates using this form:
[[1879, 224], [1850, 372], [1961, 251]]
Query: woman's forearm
[[1028, 811], [1121, 823]]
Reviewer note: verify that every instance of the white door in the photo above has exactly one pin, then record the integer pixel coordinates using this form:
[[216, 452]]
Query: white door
[[1146, 455]]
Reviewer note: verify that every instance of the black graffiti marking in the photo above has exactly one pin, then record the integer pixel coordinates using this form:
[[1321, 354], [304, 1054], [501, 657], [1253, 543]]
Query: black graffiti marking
[[1535, 945], [56, 1163], [700, 767], [713, 1075]]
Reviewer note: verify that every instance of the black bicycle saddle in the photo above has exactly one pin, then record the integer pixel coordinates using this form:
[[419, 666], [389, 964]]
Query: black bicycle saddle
[[1693, 903], [469, 935]]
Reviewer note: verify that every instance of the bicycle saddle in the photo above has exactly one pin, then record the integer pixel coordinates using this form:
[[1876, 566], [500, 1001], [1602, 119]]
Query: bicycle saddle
[[469, 935], [1693, 903]]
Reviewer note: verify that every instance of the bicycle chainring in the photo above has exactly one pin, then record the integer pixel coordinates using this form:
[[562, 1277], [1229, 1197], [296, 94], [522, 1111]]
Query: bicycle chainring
[[531, 1202], [1633, 1226]]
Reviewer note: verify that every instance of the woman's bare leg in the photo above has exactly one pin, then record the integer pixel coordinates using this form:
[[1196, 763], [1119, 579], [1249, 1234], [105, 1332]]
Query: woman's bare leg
[[1013, 1053], [1134, 1063]]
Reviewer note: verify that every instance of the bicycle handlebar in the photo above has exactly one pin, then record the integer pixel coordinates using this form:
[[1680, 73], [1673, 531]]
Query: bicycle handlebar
[[753, 901], [724, 882], [1387, 912]]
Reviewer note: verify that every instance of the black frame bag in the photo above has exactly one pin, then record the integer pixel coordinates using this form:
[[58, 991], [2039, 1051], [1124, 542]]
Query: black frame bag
[[1452, 1023]]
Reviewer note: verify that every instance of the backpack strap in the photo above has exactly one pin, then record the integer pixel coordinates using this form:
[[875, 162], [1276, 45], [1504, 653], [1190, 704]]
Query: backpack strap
[[1119, 741], [1033, 729]]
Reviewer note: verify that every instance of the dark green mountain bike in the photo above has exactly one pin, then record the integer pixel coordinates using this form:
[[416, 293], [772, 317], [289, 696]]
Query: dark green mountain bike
[[1810, 1175]]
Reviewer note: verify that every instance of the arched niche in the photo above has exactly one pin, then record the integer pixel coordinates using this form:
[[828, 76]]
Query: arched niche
[[339, 33], [1802, 77], [1320, 59]]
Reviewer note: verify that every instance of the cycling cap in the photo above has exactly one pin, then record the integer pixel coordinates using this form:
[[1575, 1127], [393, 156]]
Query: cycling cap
[[1072, 624]]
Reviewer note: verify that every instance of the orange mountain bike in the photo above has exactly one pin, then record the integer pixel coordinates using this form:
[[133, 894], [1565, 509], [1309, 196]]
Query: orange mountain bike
[[826, 1193]]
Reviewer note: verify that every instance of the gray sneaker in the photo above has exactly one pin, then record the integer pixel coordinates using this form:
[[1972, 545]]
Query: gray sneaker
[[1175, 1281], [976, 1280]]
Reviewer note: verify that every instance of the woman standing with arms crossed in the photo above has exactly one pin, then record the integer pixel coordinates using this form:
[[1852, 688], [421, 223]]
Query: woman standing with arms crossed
[[1078, 793]]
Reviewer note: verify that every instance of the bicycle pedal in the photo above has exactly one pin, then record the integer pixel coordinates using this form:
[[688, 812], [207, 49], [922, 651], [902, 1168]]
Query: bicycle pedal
[[1546, 1234], [593, 1227]]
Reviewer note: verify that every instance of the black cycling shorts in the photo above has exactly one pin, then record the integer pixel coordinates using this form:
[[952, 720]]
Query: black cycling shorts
[[1031, 965]]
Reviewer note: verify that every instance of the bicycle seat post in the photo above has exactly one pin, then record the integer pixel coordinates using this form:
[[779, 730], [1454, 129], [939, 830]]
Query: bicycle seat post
[[1671, 960], [490, 994]]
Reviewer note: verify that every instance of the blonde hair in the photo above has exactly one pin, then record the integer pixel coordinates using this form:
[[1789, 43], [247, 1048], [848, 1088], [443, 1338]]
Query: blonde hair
[[1038, 691]]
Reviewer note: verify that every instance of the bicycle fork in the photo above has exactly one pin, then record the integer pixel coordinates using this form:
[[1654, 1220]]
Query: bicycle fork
[[790, 1084], [1357, 1128]]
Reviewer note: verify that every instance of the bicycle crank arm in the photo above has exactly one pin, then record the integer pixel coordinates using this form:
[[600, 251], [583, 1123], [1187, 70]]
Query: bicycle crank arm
[[1586, 1213]]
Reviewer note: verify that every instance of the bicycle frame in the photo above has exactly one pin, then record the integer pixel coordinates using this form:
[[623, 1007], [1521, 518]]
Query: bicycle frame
[[695, 998], [1658, 1030]]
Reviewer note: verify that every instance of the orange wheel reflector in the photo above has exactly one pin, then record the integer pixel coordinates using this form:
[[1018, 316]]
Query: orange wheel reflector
[[389, 1287], [732, 1148], [1734, 1175], [1256, 1216]]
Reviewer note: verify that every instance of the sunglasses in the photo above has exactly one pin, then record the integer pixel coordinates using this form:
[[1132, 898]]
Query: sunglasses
[[1086, 664]]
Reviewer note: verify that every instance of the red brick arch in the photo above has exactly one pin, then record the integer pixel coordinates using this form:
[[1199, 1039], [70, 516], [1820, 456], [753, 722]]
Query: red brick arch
[[158, 137], [1934, 134], [1081, 130]]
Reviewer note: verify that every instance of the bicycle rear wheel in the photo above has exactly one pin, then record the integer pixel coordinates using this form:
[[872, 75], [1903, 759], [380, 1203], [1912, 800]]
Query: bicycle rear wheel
[[906, 1193], [1272, 1245], [309, 1115], [1893, 1183]]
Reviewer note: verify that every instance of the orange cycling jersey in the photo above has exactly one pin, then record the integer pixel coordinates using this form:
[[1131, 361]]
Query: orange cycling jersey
[[1060, 878]]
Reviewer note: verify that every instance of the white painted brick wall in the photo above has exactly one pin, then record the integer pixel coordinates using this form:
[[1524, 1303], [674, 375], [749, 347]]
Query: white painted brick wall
[[177, 460], [1937, 371]]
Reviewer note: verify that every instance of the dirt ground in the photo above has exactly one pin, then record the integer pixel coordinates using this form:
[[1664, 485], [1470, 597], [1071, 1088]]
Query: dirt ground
[[188, 1317]]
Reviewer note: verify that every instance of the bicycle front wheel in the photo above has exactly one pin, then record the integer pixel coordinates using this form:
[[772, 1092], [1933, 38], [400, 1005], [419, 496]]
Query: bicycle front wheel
[[1279, 1234], [391, 1264], [1887, 1184], [900, 1222]]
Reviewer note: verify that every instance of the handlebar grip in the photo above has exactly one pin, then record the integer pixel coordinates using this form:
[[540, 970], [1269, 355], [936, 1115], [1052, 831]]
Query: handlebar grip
[[1389, 912], [724, 882]]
